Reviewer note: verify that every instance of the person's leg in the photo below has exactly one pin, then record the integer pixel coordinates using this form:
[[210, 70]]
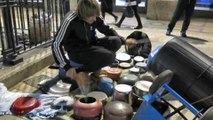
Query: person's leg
[[83, 81], [94, 58], [135, 9], [181, 5], [188, 14], [120, 21], [100, 55], [116, 17]]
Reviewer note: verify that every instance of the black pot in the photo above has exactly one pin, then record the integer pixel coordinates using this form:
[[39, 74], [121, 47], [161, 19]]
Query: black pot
[[129, 79], [118, 110]]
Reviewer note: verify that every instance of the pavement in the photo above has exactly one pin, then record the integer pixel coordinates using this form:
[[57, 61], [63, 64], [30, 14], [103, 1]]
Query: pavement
[[25, 76]]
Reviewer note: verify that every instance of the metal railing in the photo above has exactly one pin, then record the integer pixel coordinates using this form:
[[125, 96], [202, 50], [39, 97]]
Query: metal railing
[[27, 24]]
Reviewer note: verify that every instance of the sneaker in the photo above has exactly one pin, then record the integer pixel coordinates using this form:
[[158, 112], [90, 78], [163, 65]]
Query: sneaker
[[183, 34], [138, 27], [118, 25], [168, 32]]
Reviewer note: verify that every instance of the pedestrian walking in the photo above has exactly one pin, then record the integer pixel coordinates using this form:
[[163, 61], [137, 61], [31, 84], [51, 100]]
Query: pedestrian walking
[[185, 7], [107, 7], [134, 5]]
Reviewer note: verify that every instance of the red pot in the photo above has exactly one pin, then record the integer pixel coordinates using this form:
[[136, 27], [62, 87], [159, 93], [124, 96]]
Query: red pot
[[114, 73], [23, 105], [87, 107]]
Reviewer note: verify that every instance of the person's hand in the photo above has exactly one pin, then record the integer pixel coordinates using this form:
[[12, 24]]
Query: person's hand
[[71, 73], [130, 42]]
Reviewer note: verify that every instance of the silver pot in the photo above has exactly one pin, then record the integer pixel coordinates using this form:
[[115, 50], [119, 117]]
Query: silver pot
[[122, 93], [141, 87]]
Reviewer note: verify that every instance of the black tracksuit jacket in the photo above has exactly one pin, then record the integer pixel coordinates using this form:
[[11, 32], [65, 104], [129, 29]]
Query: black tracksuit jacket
[[74, 35]]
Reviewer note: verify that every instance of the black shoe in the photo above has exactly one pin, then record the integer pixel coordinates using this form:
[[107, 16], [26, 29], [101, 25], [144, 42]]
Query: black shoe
[[138, 27], [116, 18], [183, 34], [118, 25], [168, 32]]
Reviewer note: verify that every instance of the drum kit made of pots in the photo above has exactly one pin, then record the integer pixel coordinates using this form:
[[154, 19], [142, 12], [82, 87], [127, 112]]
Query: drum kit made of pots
[[116, 96]]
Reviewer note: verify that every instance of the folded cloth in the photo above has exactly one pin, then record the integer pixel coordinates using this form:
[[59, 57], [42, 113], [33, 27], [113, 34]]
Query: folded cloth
[[43, 111]]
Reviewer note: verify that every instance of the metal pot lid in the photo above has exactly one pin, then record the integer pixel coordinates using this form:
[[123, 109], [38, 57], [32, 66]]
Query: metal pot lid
[[134, 70], [58, 90], [143, 85], [61, 84], [138, 58], [122, 56], [131, 77], [141, 65], [125, 65], [124, 88]]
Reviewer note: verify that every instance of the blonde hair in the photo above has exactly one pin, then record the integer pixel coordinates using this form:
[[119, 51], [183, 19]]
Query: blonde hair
[[88, 8]]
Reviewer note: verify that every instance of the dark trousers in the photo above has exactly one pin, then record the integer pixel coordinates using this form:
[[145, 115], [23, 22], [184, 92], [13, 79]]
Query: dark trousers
[[135, 9], [111, 13], [99, 55], [185, 7]]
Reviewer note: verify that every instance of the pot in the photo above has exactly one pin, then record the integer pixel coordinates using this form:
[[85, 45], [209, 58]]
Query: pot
[[60, 88], [136, 101], [125, 65], [137, 59], [142, 66], [114, 73], [87, 108], [99, 96], [129, 79], [105, 85], [123, 57], [23, 105], [141, 88], [135, 70], [118, 110], [122, 93]]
